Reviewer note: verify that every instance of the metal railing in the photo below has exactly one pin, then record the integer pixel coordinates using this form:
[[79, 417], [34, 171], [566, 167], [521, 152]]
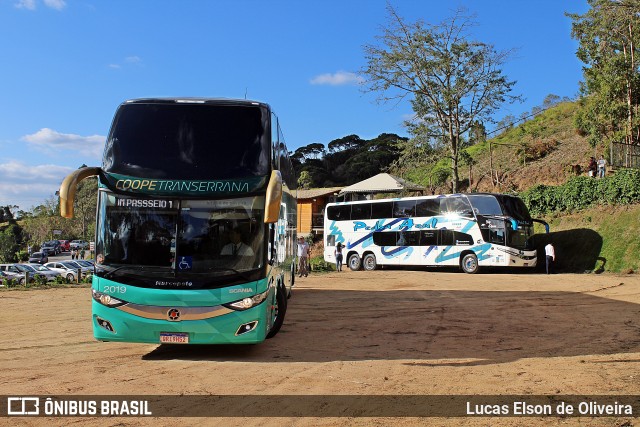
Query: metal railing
[[625, 155]]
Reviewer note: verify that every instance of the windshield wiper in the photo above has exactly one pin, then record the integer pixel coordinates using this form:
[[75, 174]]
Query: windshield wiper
[[110, 273]]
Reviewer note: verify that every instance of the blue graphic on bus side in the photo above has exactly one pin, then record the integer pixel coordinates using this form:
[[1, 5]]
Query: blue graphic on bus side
[[395, 253], [479, 250]]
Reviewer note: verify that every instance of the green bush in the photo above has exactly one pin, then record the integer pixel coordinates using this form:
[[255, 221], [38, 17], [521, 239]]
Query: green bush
[[583, 192], [319, 264]]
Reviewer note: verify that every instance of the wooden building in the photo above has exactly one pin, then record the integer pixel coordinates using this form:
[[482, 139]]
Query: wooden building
[[311, 204]]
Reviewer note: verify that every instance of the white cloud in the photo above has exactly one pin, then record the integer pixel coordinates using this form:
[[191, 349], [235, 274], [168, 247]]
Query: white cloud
[[25, 185], [26, 4], [15, 170], [31, 4], [337, 79], [55, 4], [53, 142], [127, 61], [133, 59]]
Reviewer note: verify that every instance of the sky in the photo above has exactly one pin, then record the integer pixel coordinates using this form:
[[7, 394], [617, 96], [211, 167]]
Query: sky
[[66, 65]]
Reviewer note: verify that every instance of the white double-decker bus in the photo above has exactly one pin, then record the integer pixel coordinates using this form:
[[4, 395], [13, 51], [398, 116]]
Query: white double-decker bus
[[464, 230]]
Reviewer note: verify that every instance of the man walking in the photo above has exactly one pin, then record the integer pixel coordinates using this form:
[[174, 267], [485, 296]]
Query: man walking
[[551, 257], [303, 257]]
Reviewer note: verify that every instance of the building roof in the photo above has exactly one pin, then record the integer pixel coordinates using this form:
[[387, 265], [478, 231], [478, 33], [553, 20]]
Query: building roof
[[317, 192], [382, 183]]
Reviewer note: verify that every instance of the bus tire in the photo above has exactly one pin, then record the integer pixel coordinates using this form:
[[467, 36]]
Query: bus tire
[[369, 262], [469, 263], [354, 262], [280, 310], [293, 281]]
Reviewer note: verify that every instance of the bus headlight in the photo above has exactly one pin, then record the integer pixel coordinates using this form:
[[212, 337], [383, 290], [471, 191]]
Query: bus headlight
[[105, 299], [247, 303]]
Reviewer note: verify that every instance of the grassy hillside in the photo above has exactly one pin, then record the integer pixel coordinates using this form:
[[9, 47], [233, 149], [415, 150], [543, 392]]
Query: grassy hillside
[[602, 238], [539, 151]]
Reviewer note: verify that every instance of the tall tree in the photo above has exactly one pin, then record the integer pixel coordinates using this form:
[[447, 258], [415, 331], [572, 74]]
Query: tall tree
[[85, 206], [452, 80], [609, 37]]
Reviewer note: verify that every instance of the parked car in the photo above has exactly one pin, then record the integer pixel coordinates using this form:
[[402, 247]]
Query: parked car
[[85, 263], [65, 245], [38, 258], [42, 269], [79, 244], [65, 268], [86, 268], [22, 270], [18, 278], [49, 247]]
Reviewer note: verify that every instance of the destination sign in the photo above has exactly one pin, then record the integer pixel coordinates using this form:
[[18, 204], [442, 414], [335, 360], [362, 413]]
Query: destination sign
[[146, 203]]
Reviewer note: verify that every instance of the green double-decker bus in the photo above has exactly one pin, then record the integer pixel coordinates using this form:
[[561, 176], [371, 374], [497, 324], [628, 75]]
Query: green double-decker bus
[[196, 222]]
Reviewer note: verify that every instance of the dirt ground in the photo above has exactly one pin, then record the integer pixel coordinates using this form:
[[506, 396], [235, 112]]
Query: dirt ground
[[390, 332]]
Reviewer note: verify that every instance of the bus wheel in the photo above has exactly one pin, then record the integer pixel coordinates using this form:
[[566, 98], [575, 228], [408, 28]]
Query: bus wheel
[[279, 311], [470, 263], [369, 262], [354, 262]]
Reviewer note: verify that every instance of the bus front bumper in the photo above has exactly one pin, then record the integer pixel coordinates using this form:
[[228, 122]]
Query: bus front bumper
[[225, 326]]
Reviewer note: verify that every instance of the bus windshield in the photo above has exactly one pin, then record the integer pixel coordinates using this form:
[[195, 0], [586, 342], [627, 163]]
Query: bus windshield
[[188, 141], [220, 237]]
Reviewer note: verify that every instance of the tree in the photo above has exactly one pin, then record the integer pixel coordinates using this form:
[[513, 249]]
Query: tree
[[305, 180], [85, 206], [451, 80], [10, 241], [466, 159], [609, 35]]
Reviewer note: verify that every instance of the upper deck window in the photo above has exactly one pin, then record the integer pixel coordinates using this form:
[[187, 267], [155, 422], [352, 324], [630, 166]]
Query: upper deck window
[[189, 141]]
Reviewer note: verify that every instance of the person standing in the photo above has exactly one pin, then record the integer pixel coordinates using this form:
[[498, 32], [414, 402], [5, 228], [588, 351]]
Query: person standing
[[338, 254], [303, 257], [550, 253], [602, 164], [592, 167]]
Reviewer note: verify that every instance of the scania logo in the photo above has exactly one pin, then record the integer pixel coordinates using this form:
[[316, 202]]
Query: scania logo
[[173, 314]]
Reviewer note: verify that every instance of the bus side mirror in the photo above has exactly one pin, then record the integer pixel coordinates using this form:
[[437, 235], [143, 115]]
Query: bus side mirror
[[272, 245], [69, 186], [273, 198]]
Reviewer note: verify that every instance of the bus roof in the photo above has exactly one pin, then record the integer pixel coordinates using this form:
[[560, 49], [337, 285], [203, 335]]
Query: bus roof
[[430, 196], [195, 100]]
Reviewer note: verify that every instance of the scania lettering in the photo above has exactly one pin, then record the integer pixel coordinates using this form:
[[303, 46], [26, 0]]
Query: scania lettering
[[195, 230]]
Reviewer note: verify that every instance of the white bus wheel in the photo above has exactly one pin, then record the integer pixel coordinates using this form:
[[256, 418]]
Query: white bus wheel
[[354, 262], [369, 262], [469, 263]]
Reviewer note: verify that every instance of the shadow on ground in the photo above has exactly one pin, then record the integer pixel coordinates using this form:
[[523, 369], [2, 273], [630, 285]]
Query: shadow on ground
[[435, 328], [577, 250]]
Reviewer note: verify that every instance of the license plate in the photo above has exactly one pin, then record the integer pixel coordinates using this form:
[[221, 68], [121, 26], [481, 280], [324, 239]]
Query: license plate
[[174, 338]]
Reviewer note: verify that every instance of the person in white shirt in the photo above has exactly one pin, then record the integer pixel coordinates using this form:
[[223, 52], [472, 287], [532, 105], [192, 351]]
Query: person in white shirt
[[602, 164], [236, 247], [303, 257], [550, 253]]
